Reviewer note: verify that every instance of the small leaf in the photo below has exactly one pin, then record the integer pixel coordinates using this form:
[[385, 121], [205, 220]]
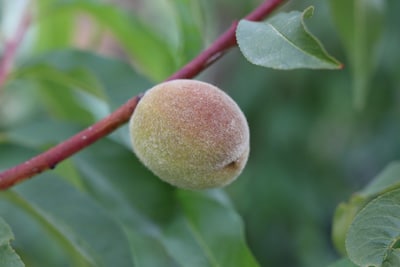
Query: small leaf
[[8, 257], [283, 42], [373, 237]]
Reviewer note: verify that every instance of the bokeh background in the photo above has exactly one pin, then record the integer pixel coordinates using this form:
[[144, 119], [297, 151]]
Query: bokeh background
[[310, 147]]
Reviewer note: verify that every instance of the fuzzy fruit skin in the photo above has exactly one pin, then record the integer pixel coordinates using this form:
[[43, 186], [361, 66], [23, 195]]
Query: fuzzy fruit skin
[[190, 134]]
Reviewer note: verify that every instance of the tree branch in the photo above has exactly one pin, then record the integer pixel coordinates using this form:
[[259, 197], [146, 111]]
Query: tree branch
[[223, 43], [50, 158]]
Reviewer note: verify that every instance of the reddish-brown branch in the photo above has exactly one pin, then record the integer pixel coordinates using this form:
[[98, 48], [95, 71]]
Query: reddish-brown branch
[[62, 151], [223, 43], [50, 158], [11, 47]]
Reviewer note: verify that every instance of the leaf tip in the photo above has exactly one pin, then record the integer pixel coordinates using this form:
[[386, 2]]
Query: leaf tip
[[308, 12]]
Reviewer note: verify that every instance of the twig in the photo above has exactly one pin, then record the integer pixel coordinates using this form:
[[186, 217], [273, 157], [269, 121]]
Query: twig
[[12, 45], [223, 43], [50, 158]]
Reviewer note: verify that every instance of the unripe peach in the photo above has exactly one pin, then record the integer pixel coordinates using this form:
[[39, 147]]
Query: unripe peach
[[190, 134]]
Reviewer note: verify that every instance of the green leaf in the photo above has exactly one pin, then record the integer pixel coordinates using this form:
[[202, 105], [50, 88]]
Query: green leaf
[[179, 240], [373, 238], [283, 42], [103, 84], [207, 215], [393, 259], [21, 98], [63, 102], [160, 233], [197, 231], [360, 23], [6, 234], [62, 90], [59, 231], [8, 257], [36, 132], [105, 78], [149, 51], [342, 219], [38, 68], [120, 183], [74, 221], [12, 154], [54, 30], [147, 247], [387, 180], [188, 17]]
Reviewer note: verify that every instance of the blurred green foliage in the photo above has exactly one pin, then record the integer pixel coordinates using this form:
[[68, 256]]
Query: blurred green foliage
[[310, 147]]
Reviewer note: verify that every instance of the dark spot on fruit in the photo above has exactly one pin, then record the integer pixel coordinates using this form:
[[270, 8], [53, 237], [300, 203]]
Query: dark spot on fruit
[[232, 165]]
